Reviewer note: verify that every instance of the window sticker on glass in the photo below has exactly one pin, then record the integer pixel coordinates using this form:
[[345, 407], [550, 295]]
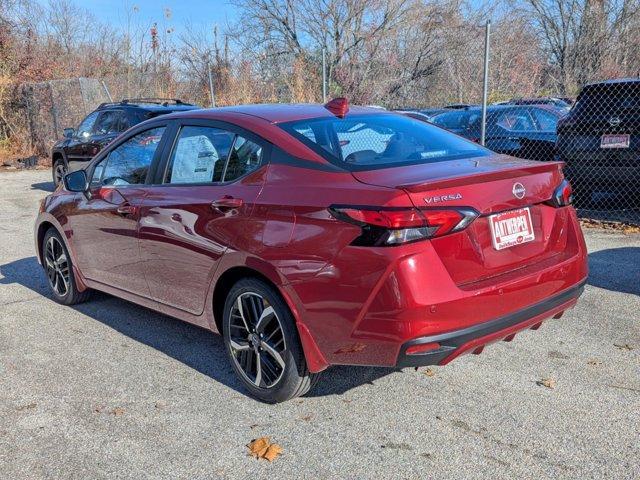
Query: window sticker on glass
[[194, 160]]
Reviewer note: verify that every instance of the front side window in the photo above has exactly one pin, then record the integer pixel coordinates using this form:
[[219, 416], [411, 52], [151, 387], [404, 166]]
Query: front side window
[[199, 155], [110, 122], [362, 142], [128, 164], [86, 126]]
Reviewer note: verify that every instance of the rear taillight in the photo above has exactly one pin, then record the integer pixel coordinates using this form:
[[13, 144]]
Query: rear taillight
[[562, 196], [396, 226]]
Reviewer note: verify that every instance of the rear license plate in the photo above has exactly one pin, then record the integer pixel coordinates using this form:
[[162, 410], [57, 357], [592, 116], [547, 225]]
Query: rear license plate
[[511, 228], [615, 141]]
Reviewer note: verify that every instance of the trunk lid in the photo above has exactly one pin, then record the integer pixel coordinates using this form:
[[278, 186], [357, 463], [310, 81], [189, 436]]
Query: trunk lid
[[487, 185]]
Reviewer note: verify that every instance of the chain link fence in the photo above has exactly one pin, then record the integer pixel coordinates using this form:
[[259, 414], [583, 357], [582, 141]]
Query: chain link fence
[[595, 134]]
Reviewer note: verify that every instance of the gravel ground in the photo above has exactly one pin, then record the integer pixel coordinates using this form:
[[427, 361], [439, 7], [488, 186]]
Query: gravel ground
[[112, 390]]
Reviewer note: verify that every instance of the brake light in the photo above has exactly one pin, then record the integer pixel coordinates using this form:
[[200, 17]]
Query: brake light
[[338, 106], [396, 226], [562, 196]]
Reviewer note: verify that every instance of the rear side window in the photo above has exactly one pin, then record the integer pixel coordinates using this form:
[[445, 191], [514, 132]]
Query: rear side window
[[363, 142], [199, 155], [245, 157], [128, 164], [211, 155]]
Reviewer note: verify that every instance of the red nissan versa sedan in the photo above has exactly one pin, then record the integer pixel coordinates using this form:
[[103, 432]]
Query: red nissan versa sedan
[[313, 235]]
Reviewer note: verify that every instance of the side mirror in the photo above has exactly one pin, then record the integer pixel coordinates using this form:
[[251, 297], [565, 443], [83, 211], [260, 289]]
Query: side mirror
[[76, 181], [68, 132]]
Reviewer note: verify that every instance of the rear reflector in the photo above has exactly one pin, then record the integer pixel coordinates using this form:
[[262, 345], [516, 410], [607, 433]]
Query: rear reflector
[[422, 348], [394, 226]]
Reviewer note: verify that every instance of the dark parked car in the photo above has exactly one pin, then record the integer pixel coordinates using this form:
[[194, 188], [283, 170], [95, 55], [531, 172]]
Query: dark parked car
[[425, 114], [101, 126], [522, 131], [599, 140], [561, 105]]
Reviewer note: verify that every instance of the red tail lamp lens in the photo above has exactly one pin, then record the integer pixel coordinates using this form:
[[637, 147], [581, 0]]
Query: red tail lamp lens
[[387, 218], [444, 220], [563, 195], [395, 226]]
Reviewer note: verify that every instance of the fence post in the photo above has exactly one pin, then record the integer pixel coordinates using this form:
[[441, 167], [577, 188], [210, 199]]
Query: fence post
[[54, 110], [213, 98], [485, 83], [324, 75], [106, 90]]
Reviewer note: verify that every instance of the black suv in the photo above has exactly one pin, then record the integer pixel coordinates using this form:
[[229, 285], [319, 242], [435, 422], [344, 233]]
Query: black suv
[[101, 126], [599, 139]]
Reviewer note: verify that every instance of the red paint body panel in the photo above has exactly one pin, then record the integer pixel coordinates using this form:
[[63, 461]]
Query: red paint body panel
[[352, 304]]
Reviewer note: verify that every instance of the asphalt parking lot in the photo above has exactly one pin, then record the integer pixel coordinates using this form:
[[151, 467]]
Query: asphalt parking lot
[[112, 390]]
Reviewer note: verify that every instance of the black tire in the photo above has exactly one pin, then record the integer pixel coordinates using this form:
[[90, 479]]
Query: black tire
[[58, 171], [291, 381], [59, 273]]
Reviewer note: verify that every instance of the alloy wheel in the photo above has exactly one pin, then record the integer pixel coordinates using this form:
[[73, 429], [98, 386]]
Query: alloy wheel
[[57, 267], [257, 340]]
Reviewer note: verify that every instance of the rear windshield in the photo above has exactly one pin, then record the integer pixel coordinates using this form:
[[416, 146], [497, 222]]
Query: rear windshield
[[614, 97], [384, 140], [457, 120]]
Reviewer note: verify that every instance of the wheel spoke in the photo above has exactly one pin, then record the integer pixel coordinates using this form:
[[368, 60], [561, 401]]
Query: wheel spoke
[[241, 313], [239, 346], [274, 354], [64, 284], [262, 321], [258, 379]]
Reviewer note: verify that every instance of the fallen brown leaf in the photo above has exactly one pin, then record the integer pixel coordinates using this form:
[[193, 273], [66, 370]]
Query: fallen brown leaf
[[307, 418], [263, 448], [547, 382], [272, 452], [117, 411], [429, 373]]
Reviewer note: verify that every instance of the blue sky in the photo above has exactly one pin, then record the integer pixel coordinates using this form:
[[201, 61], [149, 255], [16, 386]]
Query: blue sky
[[199, 13]]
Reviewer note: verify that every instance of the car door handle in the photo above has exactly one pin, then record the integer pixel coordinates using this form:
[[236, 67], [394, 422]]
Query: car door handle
[[126, 210], [226, 203]]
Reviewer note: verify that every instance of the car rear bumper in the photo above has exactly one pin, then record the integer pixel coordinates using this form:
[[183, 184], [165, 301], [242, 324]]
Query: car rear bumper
[[368, 305], [450, 345]]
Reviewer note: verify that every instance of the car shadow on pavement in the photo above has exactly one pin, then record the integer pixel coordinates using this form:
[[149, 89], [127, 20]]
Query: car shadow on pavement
[[616, 269], [196, 347], [44, 186]]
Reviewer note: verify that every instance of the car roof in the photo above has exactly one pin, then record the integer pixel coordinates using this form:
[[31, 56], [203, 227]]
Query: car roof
[[283, 112], [614, 81], [149, 106], [496, 108]]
